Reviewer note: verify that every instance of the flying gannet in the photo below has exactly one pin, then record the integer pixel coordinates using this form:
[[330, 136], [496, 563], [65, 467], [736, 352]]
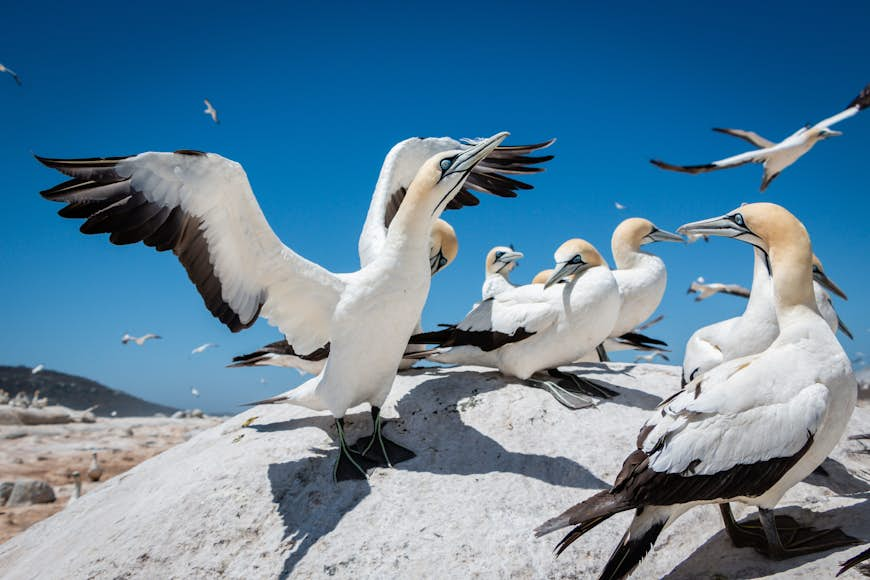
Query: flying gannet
[[37, 369], [127, 337], [442, 251], [705, 289], [651, 357], [203, 347], [500, 262], [398, 169], [201, 206], [9, 71], [194, 391], [210, 111], [755, 329], [776, 156], [539, 327], [746, 431]]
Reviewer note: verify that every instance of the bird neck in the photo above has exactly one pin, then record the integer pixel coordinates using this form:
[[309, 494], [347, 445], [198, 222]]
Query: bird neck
[[410, 229], [626, 253], [793, 293]]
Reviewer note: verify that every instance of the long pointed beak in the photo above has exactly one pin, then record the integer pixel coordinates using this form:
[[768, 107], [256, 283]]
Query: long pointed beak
[[468, 159], [826, 282], [658, 235], [565, 270], [834, 133], [718, 226], [511, 257], [844, 329]]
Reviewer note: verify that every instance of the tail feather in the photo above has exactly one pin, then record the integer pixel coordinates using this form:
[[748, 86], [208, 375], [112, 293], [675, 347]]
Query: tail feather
[[641, 340], [587, 514], [434, 337], [631, 551]]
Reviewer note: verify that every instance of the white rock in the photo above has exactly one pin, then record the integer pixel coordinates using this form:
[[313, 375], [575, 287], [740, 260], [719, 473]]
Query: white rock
[[494, 461]]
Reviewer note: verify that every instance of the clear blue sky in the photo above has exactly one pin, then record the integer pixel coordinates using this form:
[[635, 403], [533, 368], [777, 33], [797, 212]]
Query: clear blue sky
[[313, 95]]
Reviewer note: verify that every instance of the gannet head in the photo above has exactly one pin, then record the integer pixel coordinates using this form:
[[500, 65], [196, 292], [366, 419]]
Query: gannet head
[[636, 232], [442, 176], [443, 246], [573, 258], [820, 277], [502, 260], [759, 224], [542, 276]]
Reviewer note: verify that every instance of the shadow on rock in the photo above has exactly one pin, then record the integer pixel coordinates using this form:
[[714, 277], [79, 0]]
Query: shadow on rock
[[718, 556], [838, 479]]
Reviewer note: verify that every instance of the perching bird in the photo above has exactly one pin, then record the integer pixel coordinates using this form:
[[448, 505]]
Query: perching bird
[[127, 337], [746, 431], [36, 402], [777, 156], [201, 206], [37, 369], [194, 391], [704, 290], [9, 71], [211, 111], [398, 170], [500, 262], [95, 471], [755, 329], [442, 251], [534, 328], [651, 356], [203, 347], [77, 487]]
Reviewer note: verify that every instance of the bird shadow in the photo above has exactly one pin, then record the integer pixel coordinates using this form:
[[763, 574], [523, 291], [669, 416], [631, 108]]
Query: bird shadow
[[430, 422], [747, 563], [838, 479]]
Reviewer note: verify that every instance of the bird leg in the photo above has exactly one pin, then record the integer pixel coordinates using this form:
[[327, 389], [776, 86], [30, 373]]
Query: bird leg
[[781, 537], [349, 465], [582, 385], [566, 398], [602, 353], [378, 449]]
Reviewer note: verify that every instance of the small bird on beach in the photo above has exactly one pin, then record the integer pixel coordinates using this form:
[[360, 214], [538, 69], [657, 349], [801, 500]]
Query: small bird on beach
[[211, 111], [9, 71], [138, 340], [95, 471], [776, 156]]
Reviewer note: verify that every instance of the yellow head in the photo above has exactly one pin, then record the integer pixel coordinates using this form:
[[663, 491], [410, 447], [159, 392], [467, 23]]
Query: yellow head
[[502, 260], [443, 246], [573, 258]]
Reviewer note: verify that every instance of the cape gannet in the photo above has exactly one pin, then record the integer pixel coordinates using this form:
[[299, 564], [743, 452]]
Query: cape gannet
[[755, 329], [705, 289], [203, 347], [194, 391], [542, 276], [399, 168], [95, 470], [532, 328], [642, 278], [37, 369], [746, 431], [442, 251], [10, 72], [210, 111], [776, 156], [500, 262], [201, 206], [651, 357], [129, 337]]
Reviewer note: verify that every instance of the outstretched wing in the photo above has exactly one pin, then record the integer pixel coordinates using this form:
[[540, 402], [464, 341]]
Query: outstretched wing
[[401, 165], [858, 104], [749, 136], [201, 206]]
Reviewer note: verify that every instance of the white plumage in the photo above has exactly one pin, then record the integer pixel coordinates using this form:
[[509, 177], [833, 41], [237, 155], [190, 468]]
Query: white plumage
[[140, 340], [500, 262]]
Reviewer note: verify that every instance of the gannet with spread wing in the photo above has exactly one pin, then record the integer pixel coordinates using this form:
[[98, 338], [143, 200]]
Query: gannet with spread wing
[[201, 206]]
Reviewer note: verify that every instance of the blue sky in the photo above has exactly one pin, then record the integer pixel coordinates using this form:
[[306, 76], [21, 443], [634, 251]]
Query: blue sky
[[312, 96]]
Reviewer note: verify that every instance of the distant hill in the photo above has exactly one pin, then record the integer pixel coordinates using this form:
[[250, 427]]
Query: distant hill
[[77, 392]]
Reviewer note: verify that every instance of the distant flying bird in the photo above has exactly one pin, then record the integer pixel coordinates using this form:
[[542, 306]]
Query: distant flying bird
[[704, 290], [140, 340], [211, 111], [194, 391], [776, 156], [652, 322], [203, 347], [11, 72], [650, 357], [618, 205], [36, 369], [114, 413]]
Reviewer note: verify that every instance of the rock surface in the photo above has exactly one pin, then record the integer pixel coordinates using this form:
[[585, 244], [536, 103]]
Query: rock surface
[[494, 460], [30, 491]]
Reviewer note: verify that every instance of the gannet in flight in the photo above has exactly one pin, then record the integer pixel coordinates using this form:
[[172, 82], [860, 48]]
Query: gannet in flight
[[203, 347], [201, 206], [210, 111], [641, 276], [127, 337], [651, 356], [443, 249], [37, 369], [500, 262], [746, 431], [618, 205], [9, 71], [194, 391], [705, 289], [777, 156], [533, 328], [755, 329]]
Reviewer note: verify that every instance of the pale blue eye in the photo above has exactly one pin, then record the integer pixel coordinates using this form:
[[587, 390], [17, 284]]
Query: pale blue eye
[[577, 259], [445, 164], [738, 219]]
